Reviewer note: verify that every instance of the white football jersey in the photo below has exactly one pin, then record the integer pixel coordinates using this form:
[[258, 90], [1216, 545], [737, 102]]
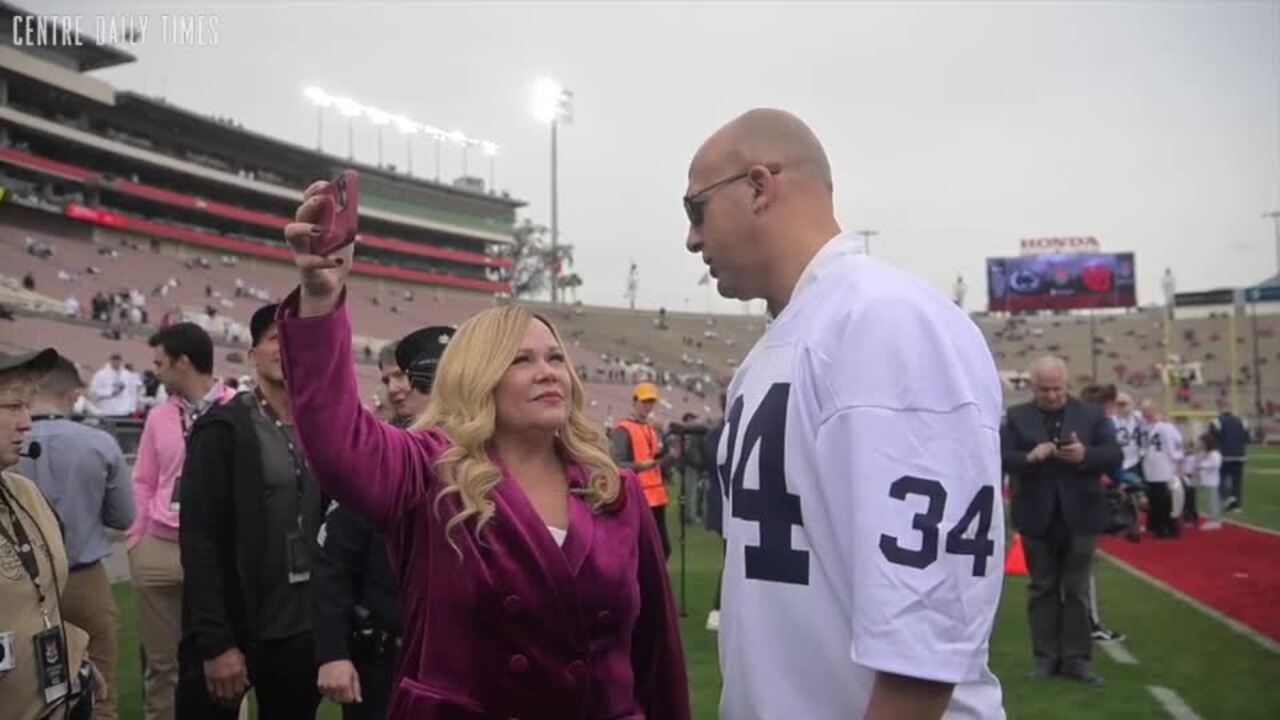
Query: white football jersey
[[865, 531], [1161, 452], [1129, 436]]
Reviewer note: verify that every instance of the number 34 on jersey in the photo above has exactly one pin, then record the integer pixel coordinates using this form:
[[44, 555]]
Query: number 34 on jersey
[[785, 485]]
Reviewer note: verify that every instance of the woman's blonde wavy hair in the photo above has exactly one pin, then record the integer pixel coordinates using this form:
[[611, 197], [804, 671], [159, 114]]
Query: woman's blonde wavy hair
[[462, 407]]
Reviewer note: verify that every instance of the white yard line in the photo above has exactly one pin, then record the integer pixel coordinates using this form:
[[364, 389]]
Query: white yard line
[[1173, 703], [1242, 629], [1117, 652], [1251, 526]]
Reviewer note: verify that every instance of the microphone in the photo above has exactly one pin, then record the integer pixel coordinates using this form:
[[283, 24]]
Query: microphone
[[33, 451]]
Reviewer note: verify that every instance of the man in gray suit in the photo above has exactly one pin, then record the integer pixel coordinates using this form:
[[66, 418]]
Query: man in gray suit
[[1056, 450]]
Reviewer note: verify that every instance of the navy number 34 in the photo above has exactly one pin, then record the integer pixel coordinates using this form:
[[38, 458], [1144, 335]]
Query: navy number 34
[[776, 510]]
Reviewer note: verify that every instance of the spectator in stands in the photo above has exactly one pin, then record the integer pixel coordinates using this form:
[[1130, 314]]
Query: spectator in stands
[[35, 567], [184, 364], [250, 514], [635, 446], [1056, 449], [132, 386], [521, 480], [98, 307], [153, 392], [83, 474], [109, 389], [29, 281], [1232, 435], [72, 307]]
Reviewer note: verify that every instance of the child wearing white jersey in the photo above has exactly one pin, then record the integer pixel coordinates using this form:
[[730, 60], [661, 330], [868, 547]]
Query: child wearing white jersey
[[1208, 469]]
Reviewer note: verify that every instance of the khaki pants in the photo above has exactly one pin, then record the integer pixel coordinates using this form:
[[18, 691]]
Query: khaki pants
[[156, 569], [87, 603]]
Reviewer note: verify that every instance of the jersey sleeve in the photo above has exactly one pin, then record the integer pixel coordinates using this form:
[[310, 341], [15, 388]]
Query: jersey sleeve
[[924, 537], [912, 441]]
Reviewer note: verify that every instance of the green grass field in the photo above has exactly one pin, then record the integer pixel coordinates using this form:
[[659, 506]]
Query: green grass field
[[1220, 674]]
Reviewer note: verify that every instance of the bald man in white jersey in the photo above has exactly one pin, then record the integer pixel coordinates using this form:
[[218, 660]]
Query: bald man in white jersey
[[860, 458]]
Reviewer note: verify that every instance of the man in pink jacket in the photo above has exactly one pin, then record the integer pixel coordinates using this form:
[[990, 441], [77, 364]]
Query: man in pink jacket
[[184, 363]]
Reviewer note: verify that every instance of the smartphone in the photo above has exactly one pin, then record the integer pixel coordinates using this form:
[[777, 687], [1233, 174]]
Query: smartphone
[[341, 213]]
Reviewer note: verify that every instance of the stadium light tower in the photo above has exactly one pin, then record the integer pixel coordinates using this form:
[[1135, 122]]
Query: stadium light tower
[[380, 119], [553, 104], [1275, 218], [408, 128], [350, 109], [490, 150], [866, 238], [322, 100], [459, 138]]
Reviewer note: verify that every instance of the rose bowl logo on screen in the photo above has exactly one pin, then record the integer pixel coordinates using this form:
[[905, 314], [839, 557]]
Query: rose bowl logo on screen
[[1054, 245]]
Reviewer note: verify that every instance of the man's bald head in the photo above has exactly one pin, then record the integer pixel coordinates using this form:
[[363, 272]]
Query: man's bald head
[[1049, 382], [760, 206], [767, 135]]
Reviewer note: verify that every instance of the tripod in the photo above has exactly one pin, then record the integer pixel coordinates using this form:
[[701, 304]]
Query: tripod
[[689, 436]]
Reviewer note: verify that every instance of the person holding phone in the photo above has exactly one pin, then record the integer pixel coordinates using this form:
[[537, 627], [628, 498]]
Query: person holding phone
[[1055, 450], [531, 573]]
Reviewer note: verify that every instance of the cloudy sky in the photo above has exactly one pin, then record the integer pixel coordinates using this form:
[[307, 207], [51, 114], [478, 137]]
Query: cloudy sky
[[954, 128]]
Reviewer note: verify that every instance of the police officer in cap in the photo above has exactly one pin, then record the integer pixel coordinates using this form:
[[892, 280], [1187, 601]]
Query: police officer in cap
[[355, 602]]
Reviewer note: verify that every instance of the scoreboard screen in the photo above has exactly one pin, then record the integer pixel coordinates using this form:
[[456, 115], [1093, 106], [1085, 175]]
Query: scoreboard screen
[[1069, 281]]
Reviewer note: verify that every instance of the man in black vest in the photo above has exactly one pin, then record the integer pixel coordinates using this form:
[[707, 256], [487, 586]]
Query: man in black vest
[[355, 606], [250, 512], [1056, 450]]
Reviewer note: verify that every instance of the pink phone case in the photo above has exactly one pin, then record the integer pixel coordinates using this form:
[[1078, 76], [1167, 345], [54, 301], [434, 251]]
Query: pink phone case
[[341, 214]]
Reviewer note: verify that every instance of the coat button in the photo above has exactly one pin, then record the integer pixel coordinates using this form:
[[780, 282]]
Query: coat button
[[518, 663], [603, 616], [513, 604], [577, 672]]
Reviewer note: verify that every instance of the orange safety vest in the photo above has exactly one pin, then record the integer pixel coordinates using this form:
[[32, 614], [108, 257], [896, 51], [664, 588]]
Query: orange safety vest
[[644, 448]]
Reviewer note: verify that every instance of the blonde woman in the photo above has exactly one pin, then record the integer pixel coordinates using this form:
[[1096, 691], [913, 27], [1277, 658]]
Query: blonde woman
[[531, 573]]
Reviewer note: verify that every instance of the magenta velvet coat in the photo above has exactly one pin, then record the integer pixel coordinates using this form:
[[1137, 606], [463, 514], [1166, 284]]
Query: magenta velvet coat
[[518, 627]]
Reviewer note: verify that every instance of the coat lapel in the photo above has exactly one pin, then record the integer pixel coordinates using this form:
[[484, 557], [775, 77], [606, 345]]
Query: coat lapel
[[582, 524], [559, 564], [1070, 420], [555, 559], [1031, 424]]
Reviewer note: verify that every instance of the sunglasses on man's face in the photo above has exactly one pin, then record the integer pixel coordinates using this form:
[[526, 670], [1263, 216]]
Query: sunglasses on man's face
[[694, 203]]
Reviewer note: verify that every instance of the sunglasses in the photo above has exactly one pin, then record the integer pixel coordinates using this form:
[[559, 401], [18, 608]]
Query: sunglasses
[[696, 202]]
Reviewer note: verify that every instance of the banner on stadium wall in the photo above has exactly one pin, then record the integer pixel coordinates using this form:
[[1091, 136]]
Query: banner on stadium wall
[[1065, 281], [1060, 245]]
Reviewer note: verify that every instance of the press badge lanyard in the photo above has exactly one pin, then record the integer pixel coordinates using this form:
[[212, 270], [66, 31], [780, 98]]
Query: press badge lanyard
[[299, 571], [26, 554], [187, 418], [50, 652]]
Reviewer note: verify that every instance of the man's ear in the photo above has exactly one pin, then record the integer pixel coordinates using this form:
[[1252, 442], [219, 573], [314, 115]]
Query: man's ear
[[762, 188]]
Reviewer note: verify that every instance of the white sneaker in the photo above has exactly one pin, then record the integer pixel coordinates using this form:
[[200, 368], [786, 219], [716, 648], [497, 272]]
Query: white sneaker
[[713, 621], [1211, 526]]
